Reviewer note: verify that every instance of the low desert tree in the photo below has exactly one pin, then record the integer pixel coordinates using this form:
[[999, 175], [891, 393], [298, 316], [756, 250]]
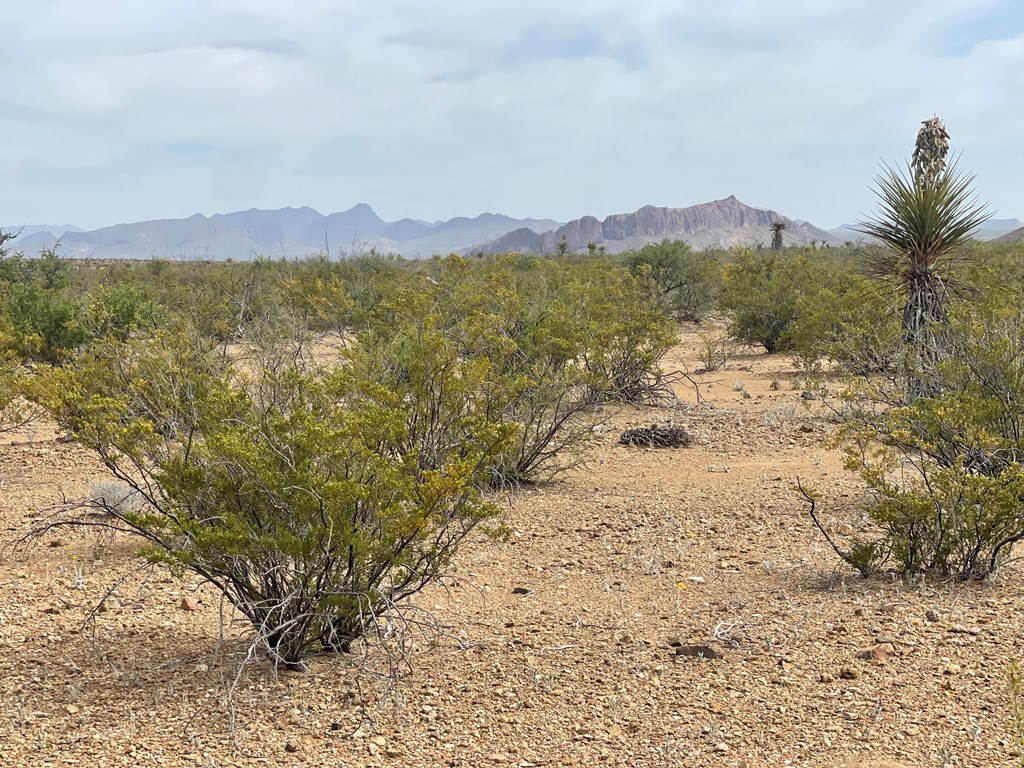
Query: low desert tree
[[687, 283], [295, 491]]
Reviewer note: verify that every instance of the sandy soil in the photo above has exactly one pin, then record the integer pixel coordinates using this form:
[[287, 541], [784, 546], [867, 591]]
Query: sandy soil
[[554, 649]]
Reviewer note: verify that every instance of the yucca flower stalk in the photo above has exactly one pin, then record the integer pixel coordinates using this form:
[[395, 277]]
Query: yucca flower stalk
[[930, 151]]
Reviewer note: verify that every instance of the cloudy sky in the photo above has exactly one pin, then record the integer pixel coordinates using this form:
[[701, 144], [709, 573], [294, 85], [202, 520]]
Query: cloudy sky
[[121, 110]]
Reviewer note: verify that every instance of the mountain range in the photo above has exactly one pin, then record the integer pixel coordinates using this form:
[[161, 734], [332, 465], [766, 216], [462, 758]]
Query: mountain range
[[284, 232], [295, 232]]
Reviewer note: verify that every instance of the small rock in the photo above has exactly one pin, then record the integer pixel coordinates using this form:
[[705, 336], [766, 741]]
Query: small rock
[[960, 629], [292, 746], [108, 605], [880, 653], [951, 669], [806, 428], [695, 651], [849, 673], [188, 603], [71, 709], [844, 529], [722, 748], [932, 615]]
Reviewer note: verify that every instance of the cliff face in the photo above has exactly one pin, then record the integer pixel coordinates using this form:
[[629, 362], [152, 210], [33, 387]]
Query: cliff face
[[718, 224]]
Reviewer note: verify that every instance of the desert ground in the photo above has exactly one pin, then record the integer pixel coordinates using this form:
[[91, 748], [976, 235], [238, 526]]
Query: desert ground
[[550, 649]]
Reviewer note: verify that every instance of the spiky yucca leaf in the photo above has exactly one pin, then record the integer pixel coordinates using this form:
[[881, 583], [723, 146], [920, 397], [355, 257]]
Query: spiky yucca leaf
[[918, 225]]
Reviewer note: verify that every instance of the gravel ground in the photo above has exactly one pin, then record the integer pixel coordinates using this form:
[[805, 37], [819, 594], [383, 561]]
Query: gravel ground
[[658, 607]]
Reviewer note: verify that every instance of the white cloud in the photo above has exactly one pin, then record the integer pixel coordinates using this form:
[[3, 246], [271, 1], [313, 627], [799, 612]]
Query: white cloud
[[124, 110]]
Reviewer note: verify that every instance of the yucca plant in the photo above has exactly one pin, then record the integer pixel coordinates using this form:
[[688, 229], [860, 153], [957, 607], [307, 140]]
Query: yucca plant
[[922, 221], [778, 227]]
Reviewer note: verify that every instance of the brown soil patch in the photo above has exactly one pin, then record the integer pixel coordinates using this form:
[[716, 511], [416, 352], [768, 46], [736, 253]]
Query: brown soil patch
[[556, 647]]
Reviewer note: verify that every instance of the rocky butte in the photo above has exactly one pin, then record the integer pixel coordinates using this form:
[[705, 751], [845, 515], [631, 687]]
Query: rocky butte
[[718, 224]]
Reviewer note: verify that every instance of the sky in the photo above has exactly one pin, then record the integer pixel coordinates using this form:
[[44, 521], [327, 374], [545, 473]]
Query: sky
[[121, 110]]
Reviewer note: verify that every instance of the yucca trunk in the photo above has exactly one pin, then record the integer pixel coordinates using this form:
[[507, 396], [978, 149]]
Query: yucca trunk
[[924, 317]]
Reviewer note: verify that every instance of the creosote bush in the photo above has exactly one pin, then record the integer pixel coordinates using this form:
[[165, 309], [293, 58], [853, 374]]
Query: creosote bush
[[296, 492], [687, 283]]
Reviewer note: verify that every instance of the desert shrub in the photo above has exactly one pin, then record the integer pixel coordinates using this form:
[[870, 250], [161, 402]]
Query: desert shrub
[[116, 495], [44, 326], [624, 337], [14, 410], [760, 291], [714, 349], [117, 310], [297, 492], [944, 471], [556, 340], [848, 321], [687, 283], [517, 335], [225, 301]]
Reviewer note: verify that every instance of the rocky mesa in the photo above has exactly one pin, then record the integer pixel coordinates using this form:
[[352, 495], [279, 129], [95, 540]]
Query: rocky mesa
[[717, 224]]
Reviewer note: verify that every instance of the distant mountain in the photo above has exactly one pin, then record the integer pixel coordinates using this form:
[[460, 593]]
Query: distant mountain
[[1012, 237], [991, 230], [718, 224], [846, 233], [284, 232], [996, 228], [26, 230]]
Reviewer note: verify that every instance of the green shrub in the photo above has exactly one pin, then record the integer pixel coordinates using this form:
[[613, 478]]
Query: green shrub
[[687, 283], [760, 291], [117, 310], [44, 326], [624, 337], [848, 322], [944, 471], [302, 494]]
